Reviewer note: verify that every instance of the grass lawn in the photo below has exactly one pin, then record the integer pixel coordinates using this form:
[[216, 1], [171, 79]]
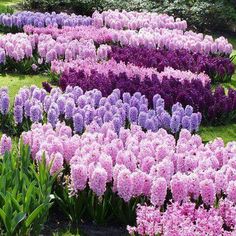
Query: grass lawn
[[15, 81], [226, 132]]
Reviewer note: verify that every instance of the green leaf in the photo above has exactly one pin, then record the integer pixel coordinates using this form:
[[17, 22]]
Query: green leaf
[[28, 196], [18, 219], [37, 212], [5, 221]]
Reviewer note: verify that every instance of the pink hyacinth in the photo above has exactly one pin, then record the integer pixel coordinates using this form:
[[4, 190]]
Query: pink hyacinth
[[98, 180], [207, 190], [56, 162], [231, 191], [179, 187], [125, 184], [158, 191], [79, 177]]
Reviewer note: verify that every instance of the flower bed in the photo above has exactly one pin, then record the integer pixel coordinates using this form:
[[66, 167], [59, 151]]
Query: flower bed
[[133, 166]]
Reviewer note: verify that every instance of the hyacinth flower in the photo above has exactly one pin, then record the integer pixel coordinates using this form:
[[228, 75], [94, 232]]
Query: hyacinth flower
[[5, 144], [6, 118], [133, 165], [217, 68], [79, 109]]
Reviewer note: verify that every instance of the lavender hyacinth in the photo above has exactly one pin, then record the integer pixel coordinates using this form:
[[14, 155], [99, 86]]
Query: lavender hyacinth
[[18, 114], [35, 113], [4, 102], [78, 122]]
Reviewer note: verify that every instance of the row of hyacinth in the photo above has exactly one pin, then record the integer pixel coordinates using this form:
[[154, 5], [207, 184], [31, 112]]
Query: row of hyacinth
[[20, 46], [105, 67], [185, 220], [38, 19], [79, 109], [158, 38], [111, 19], [216, 106], [136, 20], [215, 67], [136, 164]]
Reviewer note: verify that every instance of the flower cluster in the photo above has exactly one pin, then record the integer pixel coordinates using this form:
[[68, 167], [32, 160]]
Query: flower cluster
[[172, 40], [186, 220], [98, 35], [139, 164], [5, 144], [50, 49], [215, 106], [16, 46], [106, 67], [136, 20], [20, 46], [178, 59], [81, 109], [39, 19], [4, 101]]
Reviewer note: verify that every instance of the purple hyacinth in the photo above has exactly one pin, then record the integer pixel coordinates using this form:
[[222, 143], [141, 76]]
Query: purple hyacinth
[[133, 114], [78, 123], [4, 103], [142, 118], [36, 113], [18, 114], [194, 122], [188, 110], [117, 123], [107, 116], [165, 119], [186, 122], [175, 123], [52, 117], [150, 125], [69, 109]]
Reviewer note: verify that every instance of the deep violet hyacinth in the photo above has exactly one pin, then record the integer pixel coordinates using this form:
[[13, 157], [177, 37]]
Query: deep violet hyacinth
[[216, 107], [218, 68]]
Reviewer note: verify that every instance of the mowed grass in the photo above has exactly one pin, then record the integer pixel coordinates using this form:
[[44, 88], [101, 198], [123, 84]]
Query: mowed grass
[[226, 132], [15, 81]]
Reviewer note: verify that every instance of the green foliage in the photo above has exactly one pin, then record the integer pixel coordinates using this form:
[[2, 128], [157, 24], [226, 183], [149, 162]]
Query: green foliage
[[86, 206], [25, 193], [201, 14], [24, 66]]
